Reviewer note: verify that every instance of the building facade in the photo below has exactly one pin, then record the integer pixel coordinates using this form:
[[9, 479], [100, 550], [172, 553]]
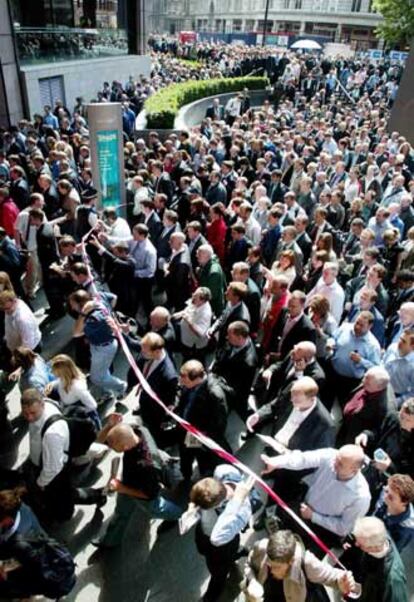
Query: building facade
[[63, 49], [349, 21]]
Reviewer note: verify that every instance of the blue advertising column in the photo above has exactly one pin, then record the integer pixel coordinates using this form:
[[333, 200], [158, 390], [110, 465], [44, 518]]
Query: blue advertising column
[[107, 154]]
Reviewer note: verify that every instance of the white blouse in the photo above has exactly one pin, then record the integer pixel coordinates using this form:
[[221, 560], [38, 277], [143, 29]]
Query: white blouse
[[78, 392]]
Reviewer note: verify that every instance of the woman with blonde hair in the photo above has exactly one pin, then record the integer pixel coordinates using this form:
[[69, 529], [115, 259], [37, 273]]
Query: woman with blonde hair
[[285, 266], [71, 387]]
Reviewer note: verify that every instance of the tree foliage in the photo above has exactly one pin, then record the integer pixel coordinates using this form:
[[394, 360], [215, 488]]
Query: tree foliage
[[398, 24]]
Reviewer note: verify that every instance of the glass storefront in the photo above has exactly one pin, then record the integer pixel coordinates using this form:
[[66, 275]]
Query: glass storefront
[[56, 30]]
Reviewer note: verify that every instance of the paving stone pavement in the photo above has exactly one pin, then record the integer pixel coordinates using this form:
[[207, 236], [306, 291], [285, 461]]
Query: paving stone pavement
[[146, 567]]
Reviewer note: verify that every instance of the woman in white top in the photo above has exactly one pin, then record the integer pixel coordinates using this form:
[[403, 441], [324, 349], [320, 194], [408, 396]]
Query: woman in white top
[[352, 186], [71, 387], [195, 320]]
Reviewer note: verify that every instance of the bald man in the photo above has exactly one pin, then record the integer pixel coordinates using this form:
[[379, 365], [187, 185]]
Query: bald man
[[338, 493], [274, 384], [140, 483]]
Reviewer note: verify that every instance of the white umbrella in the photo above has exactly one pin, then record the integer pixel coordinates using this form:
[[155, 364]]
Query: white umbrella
[[306, 45]]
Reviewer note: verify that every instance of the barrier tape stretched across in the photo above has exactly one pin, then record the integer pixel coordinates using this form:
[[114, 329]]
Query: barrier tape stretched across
[[207, 441]]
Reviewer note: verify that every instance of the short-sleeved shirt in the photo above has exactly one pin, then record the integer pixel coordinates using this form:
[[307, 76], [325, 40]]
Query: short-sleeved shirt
[[139, 470]]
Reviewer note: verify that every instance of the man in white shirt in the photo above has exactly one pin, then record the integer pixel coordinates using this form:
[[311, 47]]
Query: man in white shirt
[[21, 328], [48, 469], [329, 287], [115, 228]]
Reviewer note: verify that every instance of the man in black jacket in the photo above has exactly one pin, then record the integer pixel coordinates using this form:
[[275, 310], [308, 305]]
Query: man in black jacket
[[202, 403], [274, 383], [161, 375], [119, 269], [177, 273], [241, 273], [235, 310], [162, 181], [304, 425], [292, 327], [48, 255], [237, 363]]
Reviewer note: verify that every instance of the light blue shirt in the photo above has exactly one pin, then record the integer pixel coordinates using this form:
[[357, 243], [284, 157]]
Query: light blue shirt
[[51, 120], [145, 256], [401, 371], [235, 515], [366, 346], [336, 504]]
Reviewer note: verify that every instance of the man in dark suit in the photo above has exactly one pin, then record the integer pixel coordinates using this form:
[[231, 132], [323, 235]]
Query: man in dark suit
[[162, 183], [159, 370], [239, 246], [302, 239], [368, 407], [160, 322], [241, 273], [47, 253], [152, 220], [203, 403], [171, 225], [277, 189], [292, 327], [194, 240], [177, 273], [237, 363], [235, 310], [216, 192], [274, 384], [303, 425], [215, 111]]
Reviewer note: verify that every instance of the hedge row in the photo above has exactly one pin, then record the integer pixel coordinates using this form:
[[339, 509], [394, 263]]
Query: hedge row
[[163, 106]]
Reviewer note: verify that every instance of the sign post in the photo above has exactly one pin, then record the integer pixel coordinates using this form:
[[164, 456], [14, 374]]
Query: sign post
[[107, 154]]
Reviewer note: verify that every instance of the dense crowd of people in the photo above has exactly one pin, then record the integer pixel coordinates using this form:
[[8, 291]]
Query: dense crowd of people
[[263, 269]]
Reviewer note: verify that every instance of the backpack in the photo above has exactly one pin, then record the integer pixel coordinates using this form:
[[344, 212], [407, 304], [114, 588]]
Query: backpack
[[48, 562], [82, 431]]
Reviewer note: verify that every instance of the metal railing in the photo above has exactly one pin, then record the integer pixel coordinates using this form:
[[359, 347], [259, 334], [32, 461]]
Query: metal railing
[[45, 45]]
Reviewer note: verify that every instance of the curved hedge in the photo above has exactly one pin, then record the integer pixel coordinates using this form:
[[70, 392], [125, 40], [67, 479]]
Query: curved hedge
[[162, 107]]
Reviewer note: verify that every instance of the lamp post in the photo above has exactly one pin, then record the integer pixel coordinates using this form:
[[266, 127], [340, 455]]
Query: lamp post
[[265, 22]]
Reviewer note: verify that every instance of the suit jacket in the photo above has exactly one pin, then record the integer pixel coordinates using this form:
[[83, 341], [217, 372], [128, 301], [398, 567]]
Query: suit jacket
[[302, 330], [238, 369], [155, 227], [277, 394], [165, 186], [120, 278], [370, 418], [163, 242], [316, 431], [177, 281], [208, 409], [215, 114], [46, 247], [305, 244], [163, 381], [193, 253], [235, 313]]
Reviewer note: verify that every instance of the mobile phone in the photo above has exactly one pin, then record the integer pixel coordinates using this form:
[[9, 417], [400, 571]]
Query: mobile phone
[[379, 455]]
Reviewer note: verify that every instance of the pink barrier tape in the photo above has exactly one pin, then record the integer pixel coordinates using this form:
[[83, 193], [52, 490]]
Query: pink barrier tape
[[204, 439]]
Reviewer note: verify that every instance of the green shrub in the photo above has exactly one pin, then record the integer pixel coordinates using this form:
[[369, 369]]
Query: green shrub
[[191, 63], [163, 106]]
